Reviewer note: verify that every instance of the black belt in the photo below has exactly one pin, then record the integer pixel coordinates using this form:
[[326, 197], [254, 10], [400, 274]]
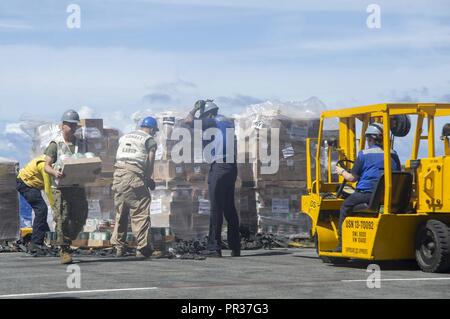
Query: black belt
[[363, 192]]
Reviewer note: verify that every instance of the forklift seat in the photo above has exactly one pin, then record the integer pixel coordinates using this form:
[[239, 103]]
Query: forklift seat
[[401, 195]]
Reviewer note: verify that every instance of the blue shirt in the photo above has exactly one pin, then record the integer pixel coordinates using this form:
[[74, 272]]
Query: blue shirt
[[219, 152], [369, 167]]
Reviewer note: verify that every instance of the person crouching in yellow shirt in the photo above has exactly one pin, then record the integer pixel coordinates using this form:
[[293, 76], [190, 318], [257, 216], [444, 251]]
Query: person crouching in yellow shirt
[[32, 179]]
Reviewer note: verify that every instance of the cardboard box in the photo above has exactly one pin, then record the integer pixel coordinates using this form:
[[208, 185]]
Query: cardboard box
[[79, 172], [161, 238], [168, 170], [98, 243], [245, 172], [92, 123], [278, 200], [246, 206], [288, 170], [176, 215], [197, 172], [98, 146], [292, 170], [164, 150], [9, 201], [107, 207]]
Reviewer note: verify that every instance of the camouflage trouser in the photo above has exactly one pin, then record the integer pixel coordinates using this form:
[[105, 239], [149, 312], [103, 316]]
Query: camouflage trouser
[[131, 199], [70, 210]]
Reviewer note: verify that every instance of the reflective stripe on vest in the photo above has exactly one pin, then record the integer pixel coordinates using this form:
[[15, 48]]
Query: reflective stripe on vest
[[65, 151]]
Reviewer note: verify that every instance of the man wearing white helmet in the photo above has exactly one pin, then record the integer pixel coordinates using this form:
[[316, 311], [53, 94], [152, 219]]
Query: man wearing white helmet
[[221, 178], [367, 170]]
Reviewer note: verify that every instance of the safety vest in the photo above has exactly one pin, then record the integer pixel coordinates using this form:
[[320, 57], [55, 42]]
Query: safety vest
[[132, 150], [219, 153], [34, 176], [65, 151]]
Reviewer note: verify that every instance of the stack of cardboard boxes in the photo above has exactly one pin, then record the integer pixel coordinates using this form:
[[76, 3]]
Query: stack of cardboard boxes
[[180, 201], [277, 189], [102, 142], [9, 200]]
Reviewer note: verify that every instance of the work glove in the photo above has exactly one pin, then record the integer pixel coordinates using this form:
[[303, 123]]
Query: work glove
[[200, 104]]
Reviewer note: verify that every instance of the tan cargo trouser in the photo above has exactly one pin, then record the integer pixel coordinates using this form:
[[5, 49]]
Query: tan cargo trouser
[[131, 198]]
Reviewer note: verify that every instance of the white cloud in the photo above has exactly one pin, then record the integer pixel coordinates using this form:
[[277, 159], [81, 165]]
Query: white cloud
[[6, 147], [14, 25], [15, 129], [86, 112]]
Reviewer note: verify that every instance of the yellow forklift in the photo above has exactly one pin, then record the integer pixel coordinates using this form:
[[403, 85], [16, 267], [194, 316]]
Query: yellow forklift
[[408, 216]]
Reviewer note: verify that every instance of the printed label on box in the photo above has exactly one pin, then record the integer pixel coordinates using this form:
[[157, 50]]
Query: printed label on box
[[94, 206], [179, 169], [204, 207], [159, 152], [197, 169], [288, 151], [156, 207], [280, 205]]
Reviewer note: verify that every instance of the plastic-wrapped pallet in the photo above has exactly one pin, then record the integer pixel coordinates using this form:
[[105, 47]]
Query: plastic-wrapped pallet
[[295, 121], [172, 208], [201, 209], [246, 207], [277, 194], [279, 210], [9, 200]]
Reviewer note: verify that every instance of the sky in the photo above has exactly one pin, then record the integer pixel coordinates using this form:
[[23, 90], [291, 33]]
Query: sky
[[131, 55]]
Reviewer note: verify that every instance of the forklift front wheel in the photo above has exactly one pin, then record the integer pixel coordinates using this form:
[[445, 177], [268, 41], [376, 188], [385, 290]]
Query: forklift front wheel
[[433, 246]]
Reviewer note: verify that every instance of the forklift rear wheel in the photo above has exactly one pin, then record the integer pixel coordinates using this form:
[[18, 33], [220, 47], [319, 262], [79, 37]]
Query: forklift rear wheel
[[433, 246]]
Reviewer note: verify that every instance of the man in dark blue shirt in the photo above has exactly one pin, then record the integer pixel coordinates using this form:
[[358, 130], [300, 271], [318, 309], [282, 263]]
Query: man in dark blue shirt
[[221, 178], [367, 170]]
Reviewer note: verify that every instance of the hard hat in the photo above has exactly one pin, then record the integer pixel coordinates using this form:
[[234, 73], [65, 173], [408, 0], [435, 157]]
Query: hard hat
[[375, 129], [71, 116], [150, 122], [209, 107]]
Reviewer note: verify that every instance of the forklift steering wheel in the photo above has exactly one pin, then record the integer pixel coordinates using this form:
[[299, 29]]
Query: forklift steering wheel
[[343, 164]]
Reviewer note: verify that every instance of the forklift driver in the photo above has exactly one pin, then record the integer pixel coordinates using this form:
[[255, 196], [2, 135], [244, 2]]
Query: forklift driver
[[368, 168]]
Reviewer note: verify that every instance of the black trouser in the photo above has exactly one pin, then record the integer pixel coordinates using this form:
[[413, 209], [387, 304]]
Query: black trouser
[[347, 206], [221, 182], [34, 198]]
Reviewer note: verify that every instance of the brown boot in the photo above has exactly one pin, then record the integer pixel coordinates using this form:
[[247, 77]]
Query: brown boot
[[120, 251], [144, 253], [65, 256]]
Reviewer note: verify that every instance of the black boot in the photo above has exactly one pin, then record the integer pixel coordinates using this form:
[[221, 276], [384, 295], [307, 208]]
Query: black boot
[[338, 248]]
